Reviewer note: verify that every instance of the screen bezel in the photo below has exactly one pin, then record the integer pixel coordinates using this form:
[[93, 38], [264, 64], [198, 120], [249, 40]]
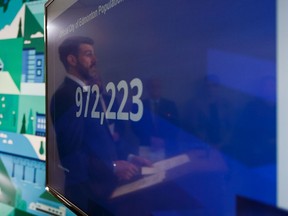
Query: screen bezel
[[49, 187]]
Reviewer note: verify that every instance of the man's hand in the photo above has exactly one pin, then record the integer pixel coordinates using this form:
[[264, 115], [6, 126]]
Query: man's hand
[[140, 161], [125, 170]]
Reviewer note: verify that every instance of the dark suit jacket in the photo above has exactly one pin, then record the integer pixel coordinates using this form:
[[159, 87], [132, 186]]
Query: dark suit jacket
[[86, 149]]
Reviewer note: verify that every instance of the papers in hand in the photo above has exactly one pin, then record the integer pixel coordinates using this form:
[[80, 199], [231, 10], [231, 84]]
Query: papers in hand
[[165, 164], [139, 184], [153, 175]]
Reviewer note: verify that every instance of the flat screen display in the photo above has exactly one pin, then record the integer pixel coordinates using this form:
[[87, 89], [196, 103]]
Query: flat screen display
[[167, 107]]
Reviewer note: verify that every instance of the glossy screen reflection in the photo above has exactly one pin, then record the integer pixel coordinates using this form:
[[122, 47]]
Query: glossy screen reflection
[[160, 107]]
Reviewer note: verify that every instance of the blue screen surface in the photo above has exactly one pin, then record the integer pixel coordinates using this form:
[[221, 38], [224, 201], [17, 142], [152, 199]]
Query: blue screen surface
[[188, 88]]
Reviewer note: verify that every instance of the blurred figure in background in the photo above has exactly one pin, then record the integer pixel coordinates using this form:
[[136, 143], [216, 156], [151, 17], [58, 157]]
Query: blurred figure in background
[[158, 127], [208, 114]]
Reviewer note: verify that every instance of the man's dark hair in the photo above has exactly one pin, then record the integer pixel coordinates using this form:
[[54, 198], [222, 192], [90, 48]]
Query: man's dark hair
[[71, 46]]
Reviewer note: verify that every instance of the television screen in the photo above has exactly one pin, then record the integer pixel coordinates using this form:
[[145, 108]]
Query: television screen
[[166, 107]]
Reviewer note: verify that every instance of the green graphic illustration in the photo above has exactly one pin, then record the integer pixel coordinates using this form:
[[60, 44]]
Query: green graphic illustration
[[30, 123], [4, 4], [8, 114], [41, 150], [12, 58], [23, 127], [20, 29]]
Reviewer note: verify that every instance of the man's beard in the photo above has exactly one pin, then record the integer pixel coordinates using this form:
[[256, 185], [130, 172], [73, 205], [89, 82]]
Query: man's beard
[[88, 74]]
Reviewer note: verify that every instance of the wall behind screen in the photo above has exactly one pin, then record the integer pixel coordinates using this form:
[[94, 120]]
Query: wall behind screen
[[22, 111]]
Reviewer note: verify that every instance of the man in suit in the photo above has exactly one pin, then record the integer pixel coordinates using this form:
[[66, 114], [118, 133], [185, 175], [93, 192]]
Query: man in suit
[[87, 151]]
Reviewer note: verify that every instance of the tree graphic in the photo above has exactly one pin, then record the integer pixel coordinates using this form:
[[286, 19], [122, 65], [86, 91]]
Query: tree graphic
[[23, 127], [20, 29], [30, 123], [41, 150]]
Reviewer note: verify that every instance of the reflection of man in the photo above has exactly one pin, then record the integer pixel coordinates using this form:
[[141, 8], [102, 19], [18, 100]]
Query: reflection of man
[[86, 147], [158, 126]]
